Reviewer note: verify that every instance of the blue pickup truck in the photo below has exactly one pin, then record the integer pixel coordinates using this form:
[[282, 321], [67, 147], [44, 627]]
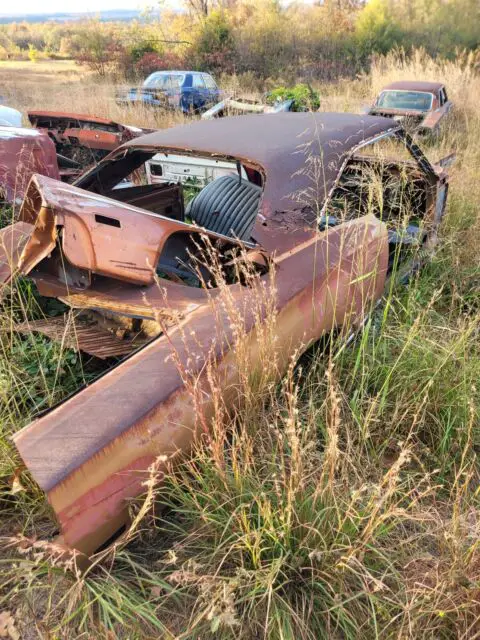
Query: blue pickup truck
[[188, 91]]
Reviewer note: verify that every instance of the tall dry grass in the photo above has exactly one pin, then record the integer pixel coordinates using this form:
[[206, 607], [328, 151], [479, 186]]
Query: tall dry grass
[[342, 502]]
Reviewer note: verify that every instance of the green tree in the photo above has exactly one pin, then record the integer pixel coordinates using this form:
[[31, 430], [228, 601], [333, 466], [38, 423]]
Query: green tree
[[215, 44], [377, 28]]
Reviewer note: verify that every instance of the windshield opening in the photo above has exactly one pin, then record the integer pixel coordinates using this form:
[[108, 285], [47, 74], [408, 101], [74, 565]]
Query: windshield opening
[[412, 100]]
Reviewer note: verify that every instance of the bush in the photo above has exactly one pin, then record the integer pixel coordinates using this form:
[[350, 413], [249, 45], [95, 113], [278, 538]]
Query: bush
[[215, 46], [303, 96], [32, 53]]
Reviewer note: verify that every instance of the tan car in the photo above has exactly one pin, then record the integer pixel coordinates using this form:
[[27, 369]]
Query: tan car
[[134, 265]]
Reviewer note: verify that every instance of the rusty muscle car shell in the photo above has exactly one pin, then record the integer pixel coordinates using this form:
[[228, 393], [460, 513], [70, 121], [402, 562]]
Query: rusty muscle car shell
[[90, 454]]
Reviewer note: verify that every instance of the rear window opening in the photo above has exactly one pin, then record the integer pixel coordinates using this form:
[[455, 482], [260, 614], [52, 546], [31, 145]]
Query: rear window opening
[[177, 231], [218, 194]]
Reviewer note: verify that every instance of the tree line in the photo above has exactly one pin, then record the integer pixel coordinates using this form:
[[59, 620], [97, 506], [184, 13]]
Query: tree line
[[267, 38]]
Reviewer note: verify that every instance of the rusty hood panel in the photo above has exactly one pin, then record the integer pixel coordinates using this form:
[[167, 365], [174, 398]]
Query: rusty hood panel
[[89, 131], [35, 115]]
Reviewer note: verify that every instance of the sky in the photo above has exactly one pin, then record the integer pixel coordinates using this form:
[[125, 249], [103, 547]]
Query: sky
[[70, 6], [92, 6], [73, 6]]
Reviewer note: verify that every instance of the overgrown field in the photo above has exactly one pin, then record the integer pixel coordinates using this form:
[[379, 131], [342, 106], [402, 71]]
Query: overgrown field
[[341, 503]]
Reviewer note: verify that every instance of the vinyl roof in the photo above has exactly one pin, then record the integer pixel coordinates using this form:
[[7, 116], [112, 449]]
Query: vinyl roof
[[279, 144]]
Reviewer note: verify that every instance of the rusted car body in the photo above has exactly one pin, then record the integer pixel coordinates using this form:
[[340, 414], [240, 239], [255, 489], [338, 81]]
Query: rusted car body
[[61, 146], [419, 106], [24, 152], [318, 252], [82, 138]]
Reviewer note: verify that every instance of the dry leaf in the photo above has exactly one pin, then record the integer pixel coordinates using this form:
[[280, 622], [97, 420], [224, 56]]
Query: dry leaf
[[7, 626], [17, 486]]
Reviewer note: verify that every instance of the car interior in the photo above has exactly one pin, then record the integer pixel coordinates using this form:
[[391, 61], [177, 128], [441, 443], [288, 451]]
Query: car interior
[[383, 179]]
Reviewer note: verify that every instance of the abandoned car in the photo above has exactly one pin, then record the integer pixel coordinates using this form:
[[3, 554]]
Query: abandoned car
[[187, 91], [82, 138], [319, 210], [419, 106], [61, 146]]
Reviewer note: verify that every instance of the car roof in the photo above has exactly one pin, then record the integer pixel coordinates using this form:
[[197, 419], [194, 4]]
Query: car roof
[[415, 85], [280, 145]]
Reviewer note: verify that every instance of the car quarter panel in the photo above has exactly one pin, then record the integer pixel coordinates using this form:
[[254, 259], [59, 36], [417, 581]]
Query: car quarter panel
[[142, 409], [98, 234]]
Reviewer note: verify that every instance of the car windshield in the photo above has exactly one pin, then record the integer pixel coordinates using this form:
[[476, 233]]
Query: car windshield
[[415, 100], [164, 80]]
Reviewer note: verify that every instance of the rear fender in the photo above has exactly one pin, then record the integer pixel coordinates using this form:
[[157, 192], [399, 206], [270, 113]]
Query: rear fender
[[117, 426]]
